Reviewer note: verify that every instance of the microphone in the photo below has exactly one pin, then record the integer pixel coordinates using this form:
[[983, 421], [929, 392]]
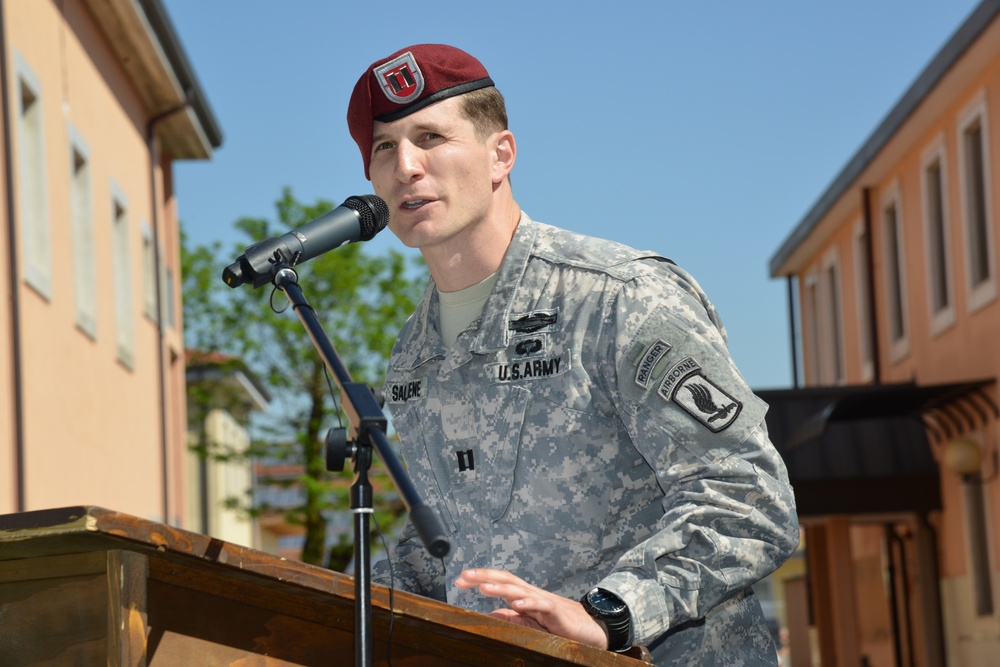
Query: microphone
[[357, 219]]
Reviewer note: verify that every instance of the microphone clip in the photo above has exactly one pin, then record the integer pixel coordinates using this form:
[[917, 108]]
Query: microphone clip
[[258, 264]]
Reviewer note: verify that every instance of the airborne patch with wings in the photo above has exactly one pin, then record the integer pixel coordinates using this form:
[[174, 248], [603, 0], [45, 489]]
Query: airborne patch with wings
[[686, 385]]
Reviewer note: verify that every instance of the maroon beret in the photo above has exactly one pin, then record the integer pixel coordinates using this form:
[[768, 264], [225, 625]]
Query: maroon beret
[[408, 81]]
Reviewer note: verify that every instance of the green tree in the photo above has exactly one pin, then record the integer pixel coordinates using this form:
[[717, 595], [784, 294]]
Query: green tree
[[361, 300]]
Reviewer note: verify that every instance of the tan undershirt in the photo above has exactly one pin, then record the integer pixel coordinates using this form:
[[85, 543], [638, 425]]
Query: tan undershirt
[[459, 309]]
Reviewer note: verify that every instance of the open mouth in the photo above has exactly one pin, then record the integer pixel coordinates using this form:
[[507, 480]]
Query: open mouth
[[414, 204]]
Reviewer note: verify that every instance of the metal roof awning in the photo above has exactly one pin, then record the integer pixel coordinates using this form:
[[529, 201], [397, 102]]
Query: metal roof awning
[[865, 449]]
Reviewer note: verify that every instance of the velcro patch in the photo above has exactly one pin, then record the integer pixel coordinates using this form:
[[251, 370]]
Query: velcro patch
[[529, 368], [705, 401], [405, 391], [648, 362], [534, 345], [686, 385], [677, 372]]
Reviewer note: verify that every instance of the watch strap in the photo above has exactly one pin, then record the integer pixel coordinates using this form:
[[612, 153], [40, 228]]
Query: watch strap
[[618, 626]]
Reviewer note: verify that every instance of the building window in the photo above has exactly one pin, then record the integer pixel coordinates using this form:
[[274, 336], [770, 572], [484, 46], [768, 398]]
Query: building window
[[32, 183], [122, 270], [895, 279], [862, 295], [974, 177], [833, 349], [84, 254], [148, 273], [939, 283], [168, 298], [977, 534], [975, 203], [811, 342]]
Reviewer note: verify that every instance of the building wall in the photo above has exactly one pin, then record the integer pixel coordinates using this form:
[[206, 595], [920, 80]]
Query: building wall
[[230, 479], [957, 344], [8, 438], [93, 429]]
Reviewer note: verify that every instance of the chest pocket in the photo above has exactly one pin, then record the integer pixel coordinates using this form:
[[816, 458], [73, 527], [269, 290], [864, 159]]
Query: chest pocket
[[462, 448]]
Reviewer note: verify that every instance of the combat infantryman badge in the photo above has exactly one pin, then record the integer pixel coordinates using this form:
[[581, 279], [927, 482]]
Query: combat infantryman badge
[[401, 79], [533, 322]]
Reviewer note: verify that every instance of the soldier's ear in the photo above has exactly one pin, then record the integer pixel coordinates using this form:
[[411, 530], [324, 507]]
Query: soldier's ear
[[504, 150]]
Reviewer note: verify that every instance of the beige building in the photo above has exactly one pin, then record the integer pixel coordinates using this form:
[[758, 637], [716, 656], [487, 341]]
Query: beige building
[[99, 101], [892, 444], [221, 395]]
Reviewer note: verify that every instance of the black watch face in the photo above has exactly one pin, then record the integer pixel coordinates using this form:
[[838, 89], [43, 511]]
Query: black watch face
[[605, 603]]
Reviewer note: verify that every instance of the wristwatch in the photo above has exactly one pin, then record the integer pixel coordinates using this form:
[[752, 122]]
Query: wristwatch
[[609, 609]]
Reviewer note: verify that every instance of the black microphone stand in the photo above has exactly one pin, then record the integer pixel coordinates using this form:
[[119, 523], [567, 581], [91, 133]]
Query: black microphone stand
[[367, 430]]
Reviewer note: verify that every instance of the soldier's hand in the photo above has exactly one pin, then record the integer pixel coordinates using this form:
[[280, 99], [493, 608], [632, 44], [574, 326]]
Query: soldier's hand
[[533, 607]]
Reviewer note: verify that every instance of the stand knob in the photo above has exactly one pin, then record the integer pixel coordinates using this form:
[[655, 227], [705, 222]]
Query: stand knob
[[336, 449]]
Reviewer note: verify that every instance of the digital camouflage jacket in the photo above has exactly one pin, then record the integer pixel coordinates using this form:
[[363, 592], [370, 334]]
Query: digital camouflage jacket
[[590, 429]]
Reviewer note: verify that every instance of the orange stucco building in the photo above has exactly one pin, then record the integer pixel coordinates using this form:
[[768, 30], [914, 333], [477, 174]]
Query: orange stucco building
[[892, 435], [99, 102]]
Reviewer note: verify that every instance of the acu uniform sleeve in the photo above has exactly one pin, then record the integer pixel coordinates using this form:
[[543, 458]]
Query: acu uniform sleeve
[[728, 511], [412, 568]]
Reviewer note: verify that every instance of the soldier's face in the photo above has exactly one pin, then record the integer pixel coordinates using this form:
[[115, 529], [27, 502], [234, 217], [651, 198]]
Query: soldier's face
[[434, 172]]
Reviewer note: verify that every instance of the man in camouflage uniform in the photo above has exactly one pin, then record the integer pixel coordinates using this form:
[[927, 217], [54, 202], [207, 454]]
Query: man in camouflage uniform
[[567, 405]]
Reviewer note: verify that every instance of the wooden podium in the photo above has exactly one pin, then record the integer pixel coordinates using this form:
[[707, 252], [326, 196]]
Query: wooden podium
[[90, 586]]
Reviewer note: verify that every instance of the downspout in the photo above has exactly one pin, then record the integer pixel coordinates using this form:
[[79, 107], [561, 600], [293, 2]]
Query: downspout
[[161, 370], [866, 203], [791, 330], [17, 371]]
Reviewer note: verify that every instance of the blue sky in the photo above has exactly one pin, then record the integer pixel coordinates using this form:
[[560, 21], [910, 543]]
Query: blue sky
[[702, 130]]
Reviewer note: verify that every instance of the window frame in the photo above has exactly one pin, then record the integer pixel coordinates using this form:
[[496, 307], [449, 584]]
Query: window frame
[[31, 170], [861, 245], [121, 267], [81, 198], [813, 372], [832, 296], [984, 292], [149, 264], [899, 346], [941, 316]]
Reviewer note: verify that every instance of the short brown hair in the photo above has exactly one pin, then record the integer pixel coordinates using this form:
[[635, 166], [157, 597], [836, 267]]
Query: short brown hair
[[486, 109]]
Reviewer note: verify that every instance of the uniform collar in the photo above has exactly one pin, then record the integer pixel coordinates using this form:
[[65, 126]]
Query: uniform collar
[[493, 332], [421, 341]]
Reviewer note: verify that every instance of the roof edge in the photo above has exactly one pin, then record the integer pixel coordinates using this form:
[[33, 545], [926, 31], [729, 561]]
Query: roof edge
[[173, 49], [966, 34]]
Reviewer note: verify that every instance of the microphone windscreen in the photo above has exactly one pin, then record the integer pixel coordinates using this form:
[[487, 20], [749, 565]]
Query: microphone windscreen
[[374, 213]]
